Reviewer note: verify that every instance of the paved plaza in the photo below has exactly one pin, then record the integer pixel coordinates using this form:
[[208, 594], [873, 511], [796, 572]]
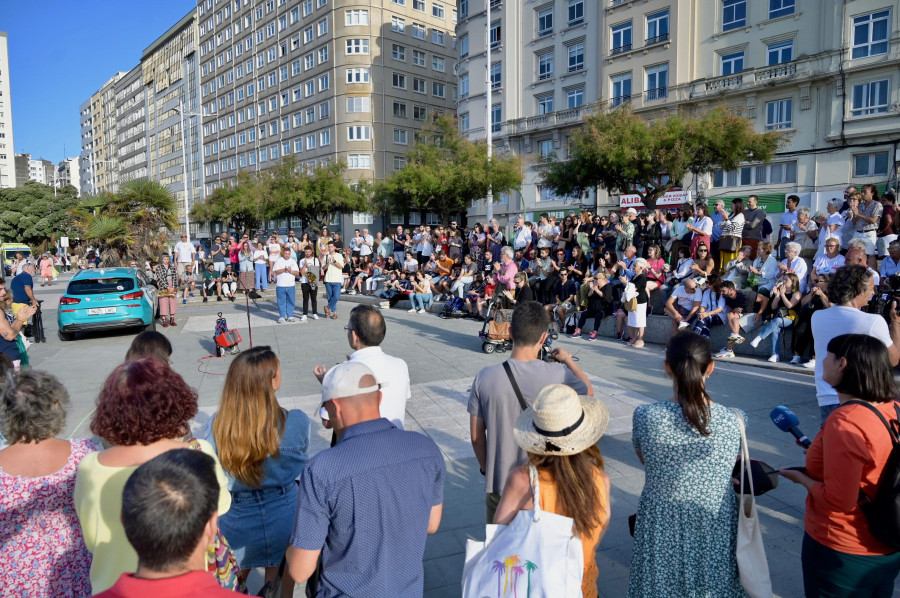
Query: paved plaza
[[443, 358]]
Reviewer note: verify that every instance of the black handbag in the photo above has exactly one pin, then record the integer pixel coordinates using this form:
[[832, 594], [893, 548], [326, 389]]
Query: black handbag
[[729, 243]]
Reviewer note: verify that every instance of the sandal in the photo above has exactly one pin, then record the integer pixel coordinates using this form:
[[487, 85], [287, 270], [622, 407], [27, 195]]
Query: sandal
[[334, 315], [327, 312]]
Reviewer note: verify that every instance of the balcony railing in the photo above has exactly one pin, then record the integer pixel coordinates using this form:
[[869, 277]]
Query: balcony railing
[[568, 116], [726, 82], [657, 40], [660, 93], [620, 49], [778, 71], [763, 75]]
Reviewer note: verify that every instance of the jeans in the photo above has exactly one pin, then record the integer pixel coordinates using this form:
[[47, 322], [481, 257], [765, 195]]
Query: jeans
[[286, 301], [596, 314], [459, 286], [825, 411], [775, 328], [333, 293], [828, 572], [219, 267], [423, 299], [261, 280]]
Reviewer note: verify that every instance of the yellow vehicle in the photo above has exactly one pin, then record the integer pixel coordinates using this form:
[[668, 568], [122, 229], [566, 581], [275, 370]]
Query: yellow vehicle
[[9, 251]]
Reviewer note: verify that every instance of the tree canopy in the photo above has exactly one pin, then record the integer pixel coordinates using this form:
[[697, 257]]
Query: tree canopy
[[31, 214], [623, 153], [445, 172]]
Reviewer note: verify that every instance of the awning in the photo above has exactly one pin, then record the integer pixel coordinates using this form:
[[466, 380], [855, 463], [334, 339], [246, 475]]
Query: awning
[[672, 199]]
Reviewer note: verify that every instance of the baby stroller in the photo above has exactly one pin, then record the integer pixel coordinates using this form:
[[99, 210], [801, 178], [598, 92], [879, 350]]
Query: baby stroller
[[494, 334]]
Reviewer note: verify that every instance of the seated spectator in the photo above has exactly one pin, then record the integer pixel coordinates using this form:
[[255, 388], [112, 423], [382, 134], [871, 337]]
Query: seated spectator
[[830, 260], [361, 272], [465, 277], [703, 266], [505, 269], [602, 261], [816, 299], [490, 289], [856, 256], [376, 277], [563, 298], [212, 281], [890, 265], [599, 295], [745, 311], [522, 261], [440, 284], [682, 270], [411, 264], [785, 299], [229, 282], [542, 273], [169, 515], [577, 265], [626, 263], [421, 295], [683, 304], [474, 294], [521, 294], [656, 273], [738, 269], [392, 265], [42, 544], [402, 289], [189, 281], [793, 263], [764, 268], [712, 308]]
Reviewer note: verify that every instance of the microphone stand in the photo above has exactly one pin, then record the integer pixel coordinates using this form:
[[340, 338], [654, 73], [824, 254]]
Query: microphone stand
[[247, 306]]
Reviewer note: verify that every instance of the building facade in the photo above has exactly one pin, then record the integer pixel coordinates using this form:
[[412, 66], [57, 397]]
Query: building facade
[[131, 127], [99, 139], [68, 173], [7, 151]]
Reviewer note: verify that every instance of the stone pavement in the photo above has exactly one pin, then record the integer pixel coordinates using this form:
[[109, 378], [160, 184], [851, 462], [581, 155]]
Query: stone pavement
[[443, 357]]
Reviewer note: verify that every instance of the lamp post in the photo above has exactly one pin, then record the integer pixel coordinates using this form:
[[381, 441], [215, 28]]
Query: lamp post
[[489, 200], [188, 189]]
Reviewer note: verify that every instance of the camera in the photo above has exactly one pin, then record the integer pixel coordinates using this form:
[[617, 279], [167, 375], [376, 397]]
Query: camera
[[888, 292]]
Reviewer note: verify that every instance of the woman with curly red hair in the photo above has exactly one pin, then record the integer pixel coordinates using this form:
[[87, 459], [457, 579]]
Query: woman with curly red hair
[[143, 410]]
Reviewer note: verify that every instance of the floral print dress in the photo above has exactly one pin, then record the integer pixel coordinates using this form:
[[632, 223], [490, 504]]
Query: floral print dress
[[42, 547], [686, 528]]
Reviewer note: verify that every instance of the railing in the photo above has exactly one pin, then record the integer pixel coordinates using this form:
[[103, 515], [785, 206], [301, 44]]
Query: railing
[[620, 49], [779, 71], [726, 82], [574, 68], [659, 93], [567, 116], [619, 100], [657, 40], [758, 76]]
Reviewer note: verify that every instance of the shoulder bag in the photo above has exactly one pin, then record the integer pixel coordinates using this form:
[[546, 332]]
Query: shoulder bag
[[729, 243]]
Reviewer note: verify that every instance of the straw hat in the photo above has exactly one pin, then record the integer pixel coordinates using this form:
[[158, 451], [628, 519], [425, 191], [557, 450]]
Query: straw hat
[[561, 422]]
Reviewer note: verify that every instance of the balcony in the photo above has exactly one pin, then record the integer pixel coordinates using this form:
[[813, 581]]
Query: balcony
[[660, 93], [657, 40], [726, 82], [757, 77], [620, 49], [568, 116], [775, 72]]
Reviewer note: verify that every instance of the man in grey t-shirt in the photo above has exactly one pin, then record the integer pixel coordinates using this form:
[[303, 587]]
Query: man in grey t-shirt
[[753, 221], [493, 406]]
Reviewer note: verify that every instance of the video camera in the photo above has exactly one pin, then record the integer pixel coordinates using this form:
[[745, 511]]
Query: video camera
[[886, 293]]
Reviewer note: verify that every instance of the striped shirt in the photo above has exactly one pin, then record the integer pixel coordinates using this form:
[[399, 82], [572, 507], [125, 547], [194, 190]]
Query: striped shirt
[[734, 226]]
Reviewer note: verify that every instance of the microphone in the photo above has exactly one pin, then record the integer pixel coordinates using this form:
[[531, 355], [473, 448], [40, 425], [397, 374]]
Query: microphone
[[787, 421]]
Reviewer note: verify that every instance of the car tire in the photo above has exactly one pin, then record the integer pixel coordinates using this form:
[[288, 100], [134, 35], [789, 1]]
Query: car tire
[[66, 336]]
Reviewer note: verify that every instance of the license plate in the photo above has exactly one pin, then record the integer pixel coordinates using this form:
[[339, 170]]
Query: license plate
[[99, 311]]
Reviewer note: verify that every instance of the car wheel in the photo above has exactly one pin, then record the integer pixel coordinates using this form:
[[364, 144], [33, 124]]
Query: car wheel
[[66, 336]]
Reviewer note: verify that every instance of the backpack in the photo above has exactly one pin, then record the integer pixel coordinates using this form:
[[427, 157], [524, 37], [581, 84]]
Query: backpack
[[883, 511], [453, 308]]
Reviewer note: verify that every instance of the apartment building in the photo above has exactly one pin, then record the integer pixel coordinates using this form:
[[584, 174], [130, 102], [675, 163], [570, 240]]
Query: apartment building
[[99, 138], [131, 127], [322, 80], [7, 153], [68, 173]]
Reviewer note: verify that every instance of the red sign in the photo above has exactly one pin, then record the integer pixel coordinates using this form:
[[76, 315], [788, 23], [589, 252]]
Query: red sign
[[669, 200]]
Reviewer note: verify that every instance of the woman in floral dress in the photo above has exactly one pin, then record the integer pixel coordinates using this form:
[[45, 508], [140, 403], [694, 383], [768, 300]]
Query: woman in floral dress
[[42, 549], [686, 528]]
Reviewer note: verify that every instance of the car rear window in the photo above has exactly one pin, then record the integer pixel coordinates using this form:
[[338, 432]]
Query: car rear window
[[98, 286], [11, 253]]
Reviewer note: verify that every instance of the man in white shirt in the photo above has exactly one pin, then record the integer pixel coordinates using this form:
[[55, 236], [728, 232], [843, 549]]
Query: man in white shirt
[[523, 236], [890, 265], [184, 255], [788, 222], [849, 290], [545, 232], [366, 243], [285, 272], [684, 303]]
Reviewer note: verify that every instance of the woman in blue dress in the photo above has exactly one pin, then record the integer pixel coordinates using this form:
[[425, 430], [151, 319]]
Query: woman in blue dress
[[263, 450]]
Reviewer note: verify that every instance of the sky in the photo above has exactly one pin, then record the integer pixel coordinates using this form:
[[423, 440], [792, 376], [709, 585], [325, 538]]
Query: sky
[[61, 52]]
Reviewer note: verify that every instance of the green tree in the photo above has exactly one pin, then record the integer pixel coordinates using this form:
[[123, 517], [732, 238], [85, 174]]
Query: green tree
[[238, 206], [31, 214], [445, 172], [623, 153]]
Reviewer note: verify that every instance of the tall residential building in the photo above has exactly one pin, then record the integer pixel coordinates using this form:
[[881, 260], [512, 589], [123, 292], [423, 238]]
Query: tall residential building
[[323, 80], [131, 127], [99, 138], [7, 152], [68, 173]]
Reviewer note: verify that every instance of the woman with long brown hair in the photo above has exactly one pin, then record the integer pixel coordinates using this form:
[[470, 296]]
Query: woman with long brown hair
[[559, 433], [263, 450]]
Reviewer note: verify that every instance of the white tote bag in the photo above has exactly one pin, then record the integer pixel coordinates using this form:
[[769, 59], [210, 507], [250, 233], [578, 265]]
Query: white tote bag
[[535, 556], [753, 567]]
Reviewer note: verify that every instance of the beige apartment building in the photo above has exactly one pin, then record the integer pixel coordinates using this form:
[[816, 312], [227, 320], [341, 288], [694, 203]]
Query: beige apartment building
[[99, 166], [827, 74]]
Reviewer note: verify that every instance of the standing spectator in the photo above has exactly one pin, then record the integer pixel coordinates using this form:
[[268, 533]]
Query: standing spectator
[[42, 544], [599, 305], [260, 264], [322, 243], [886, 228], [399, 239], [816, 299], [212, 281], [166, 281], [10, 327], [22, 287], [495, 242], [367, 244], [866, 215], [844, 465], [368, 503], [285, 270], [732, 230], [890, 266], [273, 246], [701, 227], [834, 221], [219, 252], [637, 319], [355, 243], [684, 304], [785, 302], [522, 239], [786, 228], [753, 224], [246, 267], [262, 448], [849, 290], [477, 242], [651, 234], [625, 232], [184, 254], [805, 232], [384, 246], [333, 266], [46, 266], [455, 245], [234, 249], [680, 228], [609, 232], [686, 525], [718, 216], [745, 310], [310, 271]]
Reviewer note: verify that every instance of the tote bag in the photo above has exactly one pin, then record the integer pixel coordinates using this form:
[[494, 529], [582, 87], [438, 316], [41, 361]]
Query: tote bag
[[753, 568], [536, 555]]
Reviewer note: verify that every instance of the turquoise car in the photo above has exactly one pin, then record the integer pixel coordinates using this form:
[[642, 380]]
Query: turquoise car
[[107, 298]]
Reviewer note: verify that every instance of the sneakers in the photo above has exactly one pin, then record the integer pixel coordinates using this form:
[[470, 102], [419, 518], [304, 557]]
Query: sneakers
[[205, 299], [218, 297], [620, 334], [412, 311], [184, 301], [314, 316], [795, 360], [755, 342], [810, 365], [303, 318], [351, 292], [774, 358], [291, 319], [577, 333], [421, 311], [593, 336], [682, 324], [191, 294], [725, 354], [281, 320], [737, 339]]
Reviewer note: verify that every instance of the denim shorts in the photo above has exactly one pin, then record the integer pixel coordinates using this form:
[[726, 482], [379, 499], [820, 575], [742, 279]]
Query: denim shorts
[[258, 525]]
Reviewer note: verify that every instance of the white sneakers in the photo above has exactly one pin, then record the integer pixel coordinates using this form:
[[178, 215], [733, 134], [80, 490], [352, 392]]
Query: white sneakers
[[811, 364], [795, 360], [302, 318], [755, 342], [774, 359], [281, 320], [412, 311], [291, 319], [421, 311], [314, 316], [682, 325]]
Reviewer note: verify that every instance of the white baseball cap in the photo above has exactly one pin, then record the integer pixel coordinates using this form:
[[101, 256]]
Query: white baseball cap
[[344, 380]]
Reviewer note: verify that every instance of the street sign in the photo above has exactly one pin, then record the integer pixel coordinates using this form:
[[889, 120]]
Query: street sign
[[671, 199]]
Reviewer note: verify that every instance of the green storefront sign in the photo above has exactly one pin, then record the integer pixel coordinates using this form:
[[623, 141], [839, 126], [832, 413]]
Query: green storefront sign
[[772, 203]]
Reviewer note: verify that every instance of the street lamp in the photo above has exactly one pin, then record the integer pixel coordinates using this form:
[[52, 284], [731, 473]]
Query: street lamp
[[94, 171], [489, 200], [188, 188]]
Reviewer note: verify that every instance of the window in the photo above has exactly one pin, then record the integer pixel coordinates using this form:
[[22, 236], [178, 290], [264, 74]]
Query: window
[[361, 104], [400, 109], [309, 88], [778, 115], [657, 82], [419, 5], [780, 8], [658, 27], [398, 52], [307, 7], [464, 122], [545, 66], [418, 31], [357, 46], [324, 110], [496, 75], [464, 46], [399, 163], [869, 165], [544, 104], [356, 17], [870, 34], [420, 85], [545, 21], [772, 174], [437, 37], [437, 64], [360, 75], [324, 138], [311, 141], [621, 37], [734, 14], [621, 88], [576, 12], [869, 98], [545, 148], [325, 82], [307, 35], [437, 10], [496, 117], [359, 161], [398, 25], [780, 52], [463, 86], [309, 61], [575, 97], [400, 2], [401, 136], [576, 57], [359, 133], [322, 27], [323, 54], [418, 58], [496, 34], [732, 63], [438, 90], [399, 80], [420, 112]]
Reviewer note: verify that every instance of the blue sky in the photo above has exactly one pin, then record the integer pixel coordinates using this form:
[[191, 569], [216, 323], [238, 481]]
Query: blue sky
[[62, 52]]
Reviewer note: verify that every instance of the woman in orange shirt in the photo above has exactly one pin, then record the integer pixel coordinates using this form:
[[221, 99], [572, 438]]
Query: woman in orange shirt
[[840, 556], [559, 432]]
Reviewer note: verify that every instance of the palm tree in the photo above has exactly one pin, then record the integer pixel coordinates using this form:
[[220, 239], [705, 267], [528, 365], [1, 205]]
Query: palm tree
[[498, 567], [529, 566], [517, 571], [510, 562]]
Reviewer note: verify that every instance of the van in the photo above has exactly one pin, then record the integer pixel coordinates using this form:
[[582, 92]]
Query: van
[[9, 251]]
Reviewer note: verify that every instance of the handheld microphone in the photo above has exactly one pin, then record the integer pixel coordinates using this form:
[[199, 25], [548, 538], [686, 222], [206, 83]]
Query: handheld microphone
[[787, 421]]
